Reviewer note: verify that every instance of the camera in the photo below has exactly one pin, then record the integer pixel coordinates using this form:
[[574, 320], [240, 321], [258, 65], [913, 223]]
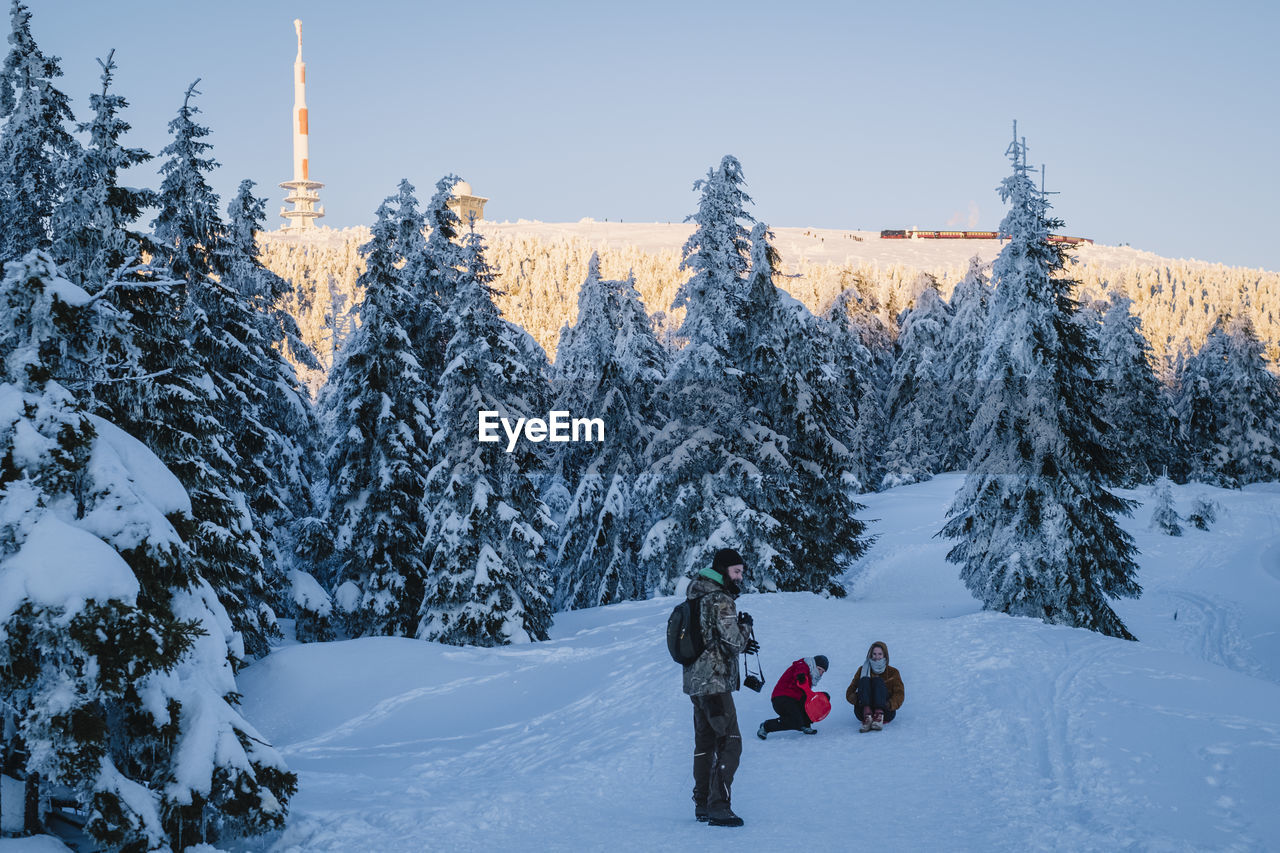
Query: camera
[[751, 682]]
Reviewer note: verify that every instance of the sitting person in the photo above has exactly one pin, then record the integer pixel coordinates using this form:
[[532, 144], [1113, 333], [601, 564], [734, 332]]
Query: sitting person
[[876, 690], [789, 697]]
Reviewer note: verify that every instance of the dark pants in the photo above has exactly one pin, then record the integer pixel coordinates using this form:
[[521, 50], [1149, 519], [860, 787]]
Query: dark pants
[[717, 747], [872, 692], [791, 715]]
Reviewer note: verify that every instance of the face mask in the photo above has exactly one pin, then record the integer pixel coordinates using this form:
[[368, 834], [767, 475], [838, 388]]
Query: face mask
[[877, 666]]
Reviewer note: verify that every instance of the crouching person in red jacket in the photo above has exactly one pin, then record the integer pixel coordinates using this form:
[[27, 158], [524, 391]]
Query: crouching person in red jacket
[[789, 697]]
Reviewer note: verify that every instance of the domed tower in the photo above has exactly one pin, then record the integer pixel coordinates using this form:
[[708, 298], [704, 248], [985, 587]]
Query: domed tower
[[302, 189], [466, 204]]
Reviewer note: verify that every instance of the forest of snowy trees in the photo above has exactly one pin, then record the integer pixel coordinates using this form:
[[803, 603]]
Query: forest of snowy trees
[[1177, 301], [170, 488]]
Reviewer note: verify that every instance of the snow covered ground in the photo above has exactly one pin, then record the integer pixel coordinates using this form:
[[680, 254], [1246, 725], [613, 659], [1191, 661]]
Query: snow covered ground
[[1015, 735]]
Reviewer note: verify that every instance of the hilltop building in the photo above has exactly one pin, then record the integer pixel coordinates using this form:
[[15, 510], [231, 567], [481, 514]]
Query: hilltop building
[[466, 204]]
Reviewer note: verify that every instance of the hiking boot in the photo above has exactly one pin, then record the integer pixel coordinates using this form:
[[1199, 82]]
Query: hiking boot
[[701, 814], [809, 730], [877, 722], [726, 819], [866, 724], [761, 733]]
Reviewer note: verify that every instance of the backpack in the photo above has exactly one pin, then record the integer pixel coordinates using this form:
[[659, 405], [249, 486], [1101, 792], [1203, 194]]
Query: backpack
[[684, 632]]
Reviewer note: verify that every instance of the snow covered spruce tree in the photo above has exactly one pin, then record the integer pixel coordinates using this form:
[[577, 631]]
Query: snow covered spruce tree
[[697, 483], [1229, 408], [420, 306], [1163, 515], [860, 371], [719, 473], [1133, 402], [274, 423], [376, 413], [93, 234], [917, 435], [962, 357], [34, 141], [223, 334], [802, 416], [431, 271], [1036, 527], [488, 582], [114, 652], [608, 366]]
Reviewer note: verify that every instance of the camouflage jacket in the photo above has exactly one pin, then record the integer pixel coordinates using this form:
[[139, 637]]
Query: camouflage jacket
[[716, 669]]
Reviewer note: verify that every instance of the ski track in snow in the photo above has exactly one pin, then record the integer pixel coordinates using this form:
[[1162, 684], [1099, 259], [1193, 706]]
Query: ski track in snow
[[1014, 735]]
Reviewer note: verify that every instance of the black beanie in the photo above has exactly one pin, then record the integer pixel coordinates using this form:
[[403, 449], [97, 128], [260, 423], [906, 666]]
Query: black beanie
[[821, 660], [725, 558]]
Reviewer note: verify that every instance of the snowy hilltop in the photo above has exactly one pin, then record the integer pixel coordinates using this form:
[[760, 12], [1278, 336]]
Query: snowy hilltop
[[1015, 735]]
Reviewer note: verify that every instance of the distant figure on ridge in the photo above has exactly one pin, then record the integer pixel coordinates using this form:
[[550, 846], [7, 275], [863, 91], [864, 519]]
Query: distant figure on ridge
[[876, 692]]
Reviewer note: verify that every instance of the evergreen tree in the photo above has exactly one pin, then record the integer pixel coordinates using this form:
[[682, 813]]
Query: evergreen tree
[[917, 435], [312, 608], [962, 356], [275, 424], [802, 417], [488, 582], [1204, 512], [188, 229], [1163, 515], [224, 434], [746, 460], [716, 254], [377, 414], [698, 483], [1133, 403], [115, 651], [877, 339], [1229, 408], [431, 271], [444, 255], [1197, 378], [1036, 526], [268, 293], [92, 236], [34, 141], [608, 365], [860, 371], [409, 244], [1248, 444]]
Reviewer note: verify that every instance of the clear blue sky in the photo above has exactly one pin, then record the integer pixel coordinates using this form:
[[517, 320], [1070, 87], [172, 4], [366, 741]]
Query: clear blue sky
[[1157, 121]]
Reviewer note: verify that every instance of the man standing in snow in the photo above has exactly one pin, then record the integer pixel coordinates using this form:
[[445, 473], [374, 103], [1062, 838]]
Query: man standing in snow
[[710, 681]]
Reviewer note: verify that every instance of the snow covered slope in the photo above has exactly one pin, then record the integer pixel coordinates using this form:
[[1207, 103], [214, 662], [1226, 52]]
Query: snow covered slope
[[1015, 735]]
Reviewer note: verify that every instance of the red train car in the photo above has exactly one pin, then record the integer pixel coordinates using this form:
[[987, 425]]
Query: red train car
[[917, 234]]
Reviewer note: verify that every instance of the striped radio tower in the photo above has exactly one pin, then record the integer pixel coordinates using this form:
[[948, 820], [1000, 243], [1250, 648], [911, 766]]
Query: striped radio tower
[[302, 189]]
